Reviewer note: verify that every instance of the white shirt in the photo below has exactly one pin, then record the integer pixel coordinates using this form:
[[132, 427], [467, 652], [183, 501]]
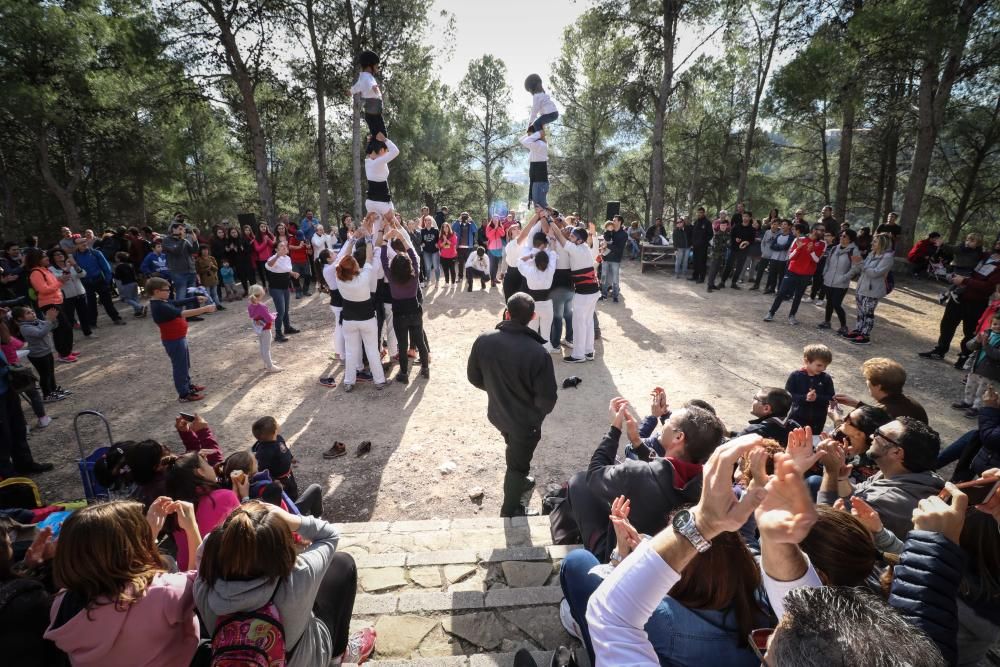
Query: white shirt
[[563, 254], [367, 86], [538, 148], [512, 253], [320, 242], [477, 262], [579, 256], [536, 279], [358, 288], [330, 276], [541, 104], [282, 265], [377, 169]]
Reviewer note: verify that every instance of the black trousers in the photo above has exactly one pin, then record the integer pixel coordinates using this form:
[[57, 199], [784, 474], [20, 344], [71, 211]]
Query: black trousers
[[334, 601], [835, 303], [15, 455], [448, 267], [734, 266], [470, 274], [99, 290], [409, 327], [591, 514], [520, 448], [311, 501], [714, 268], [62, 335], [375, 124], [775, 270], [46, 368], [700, 262], [817, 291], [761, 265], [76, 311], [463, 256], [966, 314], [513, 282]]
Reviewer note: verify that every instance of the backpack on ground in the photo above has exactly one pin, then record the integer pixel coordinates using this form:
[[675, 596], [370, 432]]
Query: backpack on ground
[[19, 493], [250, 639]]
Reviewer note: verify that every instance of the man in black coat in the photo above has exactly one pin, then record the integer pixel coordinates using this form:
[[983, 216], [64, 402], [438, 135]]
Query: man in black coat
[[770, 410], [512, 366], [655, 487], [701, 236]]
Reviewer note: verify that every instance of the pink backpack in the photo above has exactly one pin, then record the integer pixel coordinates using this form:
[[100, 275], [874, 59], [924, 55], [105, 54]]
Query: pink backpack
[[249, 639]]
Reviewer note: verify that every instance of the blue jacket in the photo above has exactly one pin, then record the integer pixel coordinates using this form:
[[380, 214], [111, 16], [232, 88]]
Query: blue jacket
[[988, 455], [308, 228], [809, 413], [470, 233], [925, 587], [153, 263], [95, 264]]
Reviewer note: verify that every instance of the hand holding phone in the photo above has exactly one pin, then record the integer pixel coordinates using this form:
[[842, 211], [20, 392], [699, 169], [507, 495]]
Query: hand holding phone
[[979, 491]]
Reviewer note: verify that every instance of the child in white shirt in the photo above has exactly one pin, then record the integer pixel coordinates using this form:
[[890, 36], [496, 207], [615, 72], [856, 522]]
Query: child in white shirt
[[371, 94], [543, 109]]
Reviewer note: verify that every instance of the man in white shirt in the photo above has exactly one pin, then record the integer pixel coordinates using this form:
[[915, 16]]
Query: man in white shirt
[[584, 277], [320, 241], [538, 268]]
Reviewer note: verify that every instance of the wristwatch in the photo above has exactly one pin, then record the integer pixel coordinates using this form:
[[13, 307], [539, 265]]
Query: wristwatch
[[684, 524]]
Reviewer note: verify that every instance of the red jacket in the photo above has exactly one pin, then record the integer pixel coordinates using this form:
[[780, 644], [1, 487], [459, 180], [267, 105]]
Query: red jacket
[[920, 250]]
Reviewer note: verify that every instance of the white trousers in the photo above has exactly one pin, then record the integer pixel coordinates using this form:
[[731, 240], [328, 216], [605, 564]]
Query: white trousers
[[542, 322], [388, 332], [583, 323], [338, 332], [356, 334], [264, 341], [380, 207]]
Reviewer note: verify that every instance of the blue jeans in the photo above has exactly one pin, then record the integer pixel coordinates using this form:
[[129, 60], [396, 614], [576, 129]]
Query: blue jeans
[[793, 286], [681, 256], [539, 191], [562, 309], [432, 264], [181, 283], [542, 121], [680, 636], [633, 248], [213, 294], [953, 452], [180, 364], [609, 278], [280, 298]]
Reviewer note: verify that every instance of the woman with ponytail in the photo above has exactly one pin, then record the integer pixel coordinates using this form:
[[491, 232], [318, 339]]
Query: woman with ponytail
[[250, 563]]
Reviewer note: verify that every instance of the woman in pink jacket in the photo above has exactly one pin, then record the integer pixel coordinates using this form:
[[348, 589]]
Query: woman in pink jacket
[[263, 248], [495, 239], [119, 606], [48, 289]]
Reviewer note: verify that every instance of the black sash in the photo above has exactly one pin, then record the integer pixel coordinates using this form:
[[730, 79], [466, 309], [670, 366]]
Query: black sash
[[379, 191], [358, 311], [336, 299], [539, 294]]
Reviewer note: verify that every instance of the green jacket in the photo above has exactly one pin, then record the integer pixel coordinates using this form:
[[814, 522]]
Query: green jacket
[[719, 243]]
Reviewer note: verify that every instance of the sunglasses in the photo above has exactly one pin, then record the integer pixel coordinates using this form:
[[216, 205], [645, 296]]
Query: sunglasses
[[758, 641], [879, 434]]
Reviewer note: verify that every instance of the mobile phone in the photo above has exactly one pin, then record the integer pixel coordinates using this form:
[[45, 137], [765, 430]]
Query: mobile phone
[[185, 415], [979, 491]]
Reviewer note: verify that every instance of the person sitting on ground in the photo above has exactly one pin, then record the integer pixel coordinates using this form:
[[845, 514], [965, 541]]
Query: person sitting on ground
[[977, 450], [119, 606], [250, 564], [854, 431], [811, 388], [905, 451], [921, 251], [770, 410], [621, 606], [262, 487], [659, 412], [275, 456], [688, 437], [885, 379]]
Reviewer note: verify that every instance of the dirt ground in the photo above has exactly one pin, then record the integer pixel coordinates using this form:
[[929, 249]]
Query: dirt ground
[[664, 332]]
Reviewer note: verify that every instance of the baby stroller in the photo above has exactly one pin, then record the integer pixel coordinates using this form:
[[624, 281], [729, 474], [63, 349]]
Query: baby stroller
[[91, 489]]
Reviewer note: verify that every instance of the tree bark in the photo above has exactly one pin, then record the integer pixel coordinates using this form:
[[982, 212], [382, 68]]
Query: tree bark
[[356, 153], [319, 85], [241, 76], [844, 156], [933, 96], [763, 67], [671, 12], [63, 194]]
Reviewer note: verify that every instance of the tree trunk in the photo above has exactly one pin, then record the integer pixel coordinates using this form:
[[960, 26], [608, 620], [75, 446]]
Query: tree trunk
[[356, 153], [9, 218], [844, 157], [891, 173], [241, 76], [763, 67], [63, 194], [933, 96], [825, 161], [671, 10], [319, 86]]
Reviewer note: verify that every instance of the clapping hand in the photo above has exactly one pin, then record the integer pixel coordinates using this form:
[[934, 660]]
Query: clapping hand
[[718, 510], [863, 512], [659, 405], [43, 548], [800, 449], [787, 513], [811, 395], [628, 537], [617, 410], [157, 514]]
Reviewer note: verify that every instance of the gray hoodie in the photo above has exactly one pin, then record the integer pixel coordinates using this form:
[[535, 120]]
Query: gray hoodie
[[780, 245], [894, 499], [37, 334], [837, 272], [306, 637], [871, 275], [179, 252]]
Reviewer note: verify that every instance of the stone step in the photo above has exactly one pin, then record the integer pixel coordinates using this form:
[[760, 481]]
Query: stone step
[[542, 658], [458, 592]]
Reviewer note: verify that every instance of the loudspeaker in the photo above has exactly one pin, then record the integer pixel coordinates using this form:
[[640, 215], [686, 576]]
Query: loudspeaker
[[614, 208], [247, 219]]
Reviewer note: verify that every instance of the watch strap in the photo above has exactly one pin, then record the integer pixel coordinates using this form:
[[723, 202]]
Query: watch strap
[[690, 532]]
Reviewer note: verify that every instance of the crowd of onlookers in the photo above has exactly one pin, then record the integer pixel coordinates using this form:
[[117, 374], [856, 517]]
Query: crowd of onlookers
[[821, 532]]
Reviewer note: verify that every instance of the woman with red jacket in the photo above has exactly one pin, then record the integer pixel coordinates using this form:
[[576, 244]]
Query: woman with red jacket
[[48, 290], [448, 246], [298, 251], [263, 248]]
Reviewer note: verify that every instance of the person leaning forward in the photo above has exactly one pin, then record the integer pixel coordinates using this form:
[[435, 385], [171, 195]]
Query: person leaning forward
[[512, 366]]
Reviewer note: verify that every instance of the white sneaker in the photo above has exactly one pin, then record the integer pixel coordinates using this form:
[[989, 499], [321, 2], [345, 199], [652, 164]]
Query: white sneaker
[[275, 369], [568, 622], [792, 321], [806, 299], [44, 421], [552, 350]]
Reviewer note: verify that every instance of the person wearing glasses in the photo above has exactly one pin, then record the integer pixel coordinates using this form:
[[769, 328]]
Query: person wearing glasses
[[905, 452], [172, 317]]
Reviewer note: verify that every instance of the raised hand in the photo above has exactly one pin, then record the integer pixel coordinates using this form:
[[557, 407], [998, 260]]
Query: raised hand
[[863, 512], [199, 423], [659, 406], [718, 510], [936, 515], [992, 506], [185, 516], [157, 514], [617, 410], [800, 449], [787, 513], [182, 425], [42, 548]]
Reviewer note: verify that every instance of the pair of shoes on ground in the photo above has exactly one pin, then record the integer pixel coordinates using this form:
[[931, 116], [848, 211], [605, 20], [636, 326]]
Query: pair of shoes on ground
[[576, 360], [338, 449]]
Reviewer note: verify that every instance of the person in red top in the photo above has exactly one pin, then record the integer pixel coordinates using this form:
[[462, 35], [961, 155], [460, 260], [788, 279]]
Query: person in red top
[[803, 257], [298, 252], [172, 317], [263, 248]]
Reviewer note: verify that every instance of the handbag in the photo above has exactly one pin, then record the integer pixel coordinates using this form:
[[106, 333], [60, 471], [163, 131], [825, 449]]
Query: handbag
[[21, 378]]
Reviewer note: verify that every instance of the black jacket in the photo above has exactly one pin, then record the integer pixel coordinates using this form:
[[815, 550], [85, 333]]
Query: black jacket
[[810, 413], [649, 485], [988, 455], [513, 368], [771, 427], [925, 586], [739, 233], [701, 232]]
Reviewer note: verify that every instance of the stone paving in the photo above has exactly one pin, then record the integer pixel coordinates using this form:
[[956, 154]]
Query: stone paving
[[462, 592]]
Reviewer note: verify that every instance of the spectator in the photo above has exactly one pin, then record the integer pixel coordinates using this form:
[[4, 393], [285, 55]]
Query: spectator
[[70, 275], [922, 250], [872, 274], [682, 247], [885, 379], [97, 282], [837, 279], [180, 246], [701, 236], [770, 410]]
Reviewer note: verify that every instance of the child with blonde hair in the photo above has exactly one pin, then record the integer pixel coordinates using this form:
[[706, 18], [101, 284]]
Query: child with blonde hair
[[263, 324]]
